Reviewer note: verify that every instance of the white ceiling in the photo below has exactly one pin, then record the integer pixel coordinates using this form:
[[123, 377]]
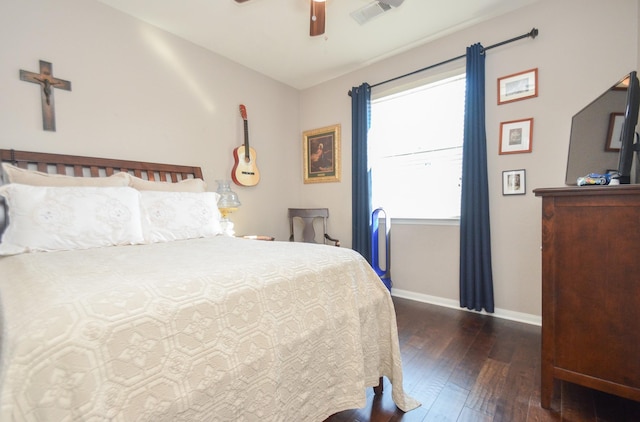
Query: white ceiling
[[272, 36]]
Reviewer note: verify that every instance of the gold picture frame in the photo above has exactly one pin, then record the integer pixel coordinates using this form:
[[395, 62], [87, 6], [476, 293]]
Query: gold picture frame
[[321, 154]]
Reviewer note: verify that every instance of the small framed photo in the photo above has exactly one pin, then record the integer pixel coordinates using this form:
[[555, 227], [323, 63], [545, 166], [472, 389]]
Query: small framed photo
[[518, 86], [514, 182], [616, 120], [516, 136], [321, 154]]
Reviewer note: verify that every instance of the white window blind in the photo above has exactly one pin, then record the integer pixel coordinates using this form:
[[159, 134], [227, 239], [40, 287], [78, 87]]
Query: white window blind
[[415, 150]]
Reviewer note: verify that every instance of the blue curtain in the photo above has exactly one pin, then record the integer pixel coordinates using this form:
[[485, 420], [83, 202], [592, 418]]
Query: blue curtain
[[476, 278], [361, 173]]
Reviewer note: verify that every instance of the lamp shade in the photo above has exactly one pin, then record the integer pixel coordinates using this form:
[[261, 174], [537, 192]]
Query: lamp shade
[[227, 204], [228, 201], [228, 198]]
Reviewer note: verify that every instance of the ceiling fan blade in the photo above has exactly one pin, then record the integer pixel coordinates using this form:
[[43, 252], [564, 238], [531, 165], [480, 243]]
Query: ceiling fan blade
[[316, 26]]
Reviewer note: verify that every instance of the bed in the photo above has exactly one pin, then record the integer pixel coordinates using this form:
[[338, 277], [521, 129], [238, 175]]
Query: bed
[[194, 327]]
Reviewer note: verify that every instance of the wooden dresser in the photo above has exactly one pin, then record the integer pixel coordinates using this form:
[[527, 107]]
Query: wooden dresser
[[591, 288]]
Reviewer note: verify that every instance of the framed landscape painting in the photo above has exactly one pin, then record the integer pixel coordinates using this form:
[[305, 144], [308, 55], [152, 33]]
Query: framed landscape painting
[[518, 86]]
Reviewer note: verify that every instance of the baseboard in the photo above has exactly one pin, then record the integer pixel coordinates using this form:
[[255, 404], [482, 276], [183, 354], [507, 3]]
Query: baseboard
[[453, 304]]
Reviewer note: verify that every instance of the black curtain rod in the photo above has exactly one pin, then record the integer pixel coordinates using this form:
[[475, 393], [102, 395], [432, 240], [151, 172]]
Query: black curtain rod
[[531, 34]]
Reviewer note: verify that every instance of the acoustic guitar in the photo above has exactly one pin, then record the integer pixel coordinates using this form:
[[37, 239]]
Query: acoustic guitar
[[245, 172]]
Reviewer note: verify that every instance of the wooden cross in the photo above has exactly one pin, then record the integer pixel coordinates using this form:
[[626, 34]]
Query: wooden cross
[[47, 83]]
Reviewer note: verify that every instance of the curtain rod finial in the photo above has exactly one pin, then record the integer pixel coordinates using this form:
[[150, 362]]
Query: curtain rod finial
[[533, 33]]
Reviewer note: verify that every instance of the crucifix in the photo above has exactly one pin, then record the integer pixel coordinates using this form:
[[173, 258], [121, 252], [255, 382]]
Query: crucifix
[[47, 84]]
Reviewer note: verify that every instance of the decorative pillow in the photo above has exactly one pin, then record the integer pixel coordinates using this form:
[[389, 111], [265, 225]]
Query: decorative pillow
[[171, 216], [62, 218], [186, 185], [13, 174]]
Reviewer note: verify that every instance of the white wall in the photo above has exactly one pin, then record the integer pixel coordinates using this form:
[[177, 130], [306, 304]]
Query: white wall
[[139, 93], [584, 46]]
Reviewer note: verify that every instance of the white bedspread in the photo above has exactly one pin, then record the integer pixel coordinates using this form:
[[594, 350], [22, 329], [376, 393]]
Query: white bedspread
[[219, 329]]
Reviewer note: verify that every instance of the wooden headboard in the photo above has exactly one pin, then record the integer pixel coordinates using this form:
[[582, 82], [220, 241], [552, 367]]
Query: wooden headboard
[[75, 165]]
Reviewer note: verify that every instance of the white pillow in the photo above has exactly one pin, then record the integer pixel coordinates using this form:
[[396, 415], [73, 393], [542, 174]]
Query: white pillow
[[169, 216], [13, 174], [186, 185], [62, 218]]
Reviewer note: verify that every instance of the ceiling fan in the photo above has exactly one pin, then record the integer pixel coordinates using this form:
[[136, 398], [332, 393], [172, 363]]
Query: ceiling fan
[[364, 14]]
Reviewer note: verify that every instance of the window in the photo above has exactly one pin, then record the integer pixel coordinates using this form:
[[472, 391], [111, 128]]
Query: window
[[415, 150]]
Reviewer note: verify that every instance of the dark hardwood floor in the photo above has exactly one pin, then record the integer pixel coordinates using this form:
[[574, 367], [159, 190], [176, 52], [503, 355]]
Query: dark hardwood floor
[[468, 367]]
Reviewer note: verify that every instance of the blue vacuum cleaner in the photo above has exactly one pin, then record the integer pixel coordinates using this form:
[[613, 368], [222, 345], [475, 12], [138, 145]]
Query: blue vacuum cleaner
[[385, 275]]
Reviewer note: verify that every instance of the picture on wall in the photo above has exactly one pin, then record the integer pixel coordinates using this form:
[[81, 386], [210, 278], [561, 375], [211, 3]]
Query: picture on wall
[[516, 136], [518, 86], [321, 154], [514, 182]]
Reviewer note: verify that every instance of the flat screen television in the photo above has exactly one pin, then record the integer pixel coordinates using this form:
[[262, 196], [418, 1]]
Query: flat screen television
[[603, 132], [628, 146]]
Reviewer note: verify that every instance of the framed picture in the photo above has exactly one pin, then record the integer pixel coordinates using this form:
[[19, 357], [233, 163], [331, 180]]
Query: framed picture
[[321, 154], [613, 136], [514, 182], [516, 136], [518, 86]]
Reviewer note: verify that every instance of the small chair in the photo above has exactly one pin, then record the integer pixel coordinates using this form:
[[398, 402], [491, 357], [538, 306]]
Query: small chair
[[308, 216]]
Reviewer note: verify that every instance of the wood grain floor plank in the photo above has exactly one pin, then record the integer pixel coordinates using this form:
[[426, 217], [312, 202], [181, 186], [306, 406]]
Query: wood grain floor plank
[[485, 394], [448, 405], [466, 373], [470, 415], [513, 403]]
